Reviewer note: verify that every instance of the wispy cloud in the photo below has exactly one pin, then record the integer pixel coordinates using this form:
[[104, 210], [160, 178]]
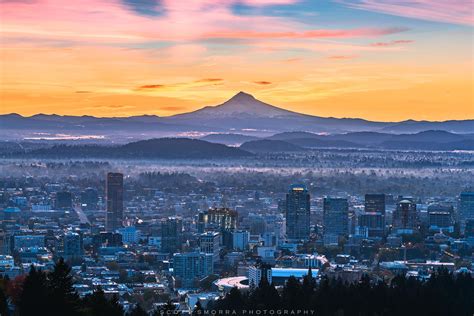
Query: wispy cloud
[[391, 43], [263, 83], [322, 33], [448, 11], [151, 87], [194, 83], [341, 57]]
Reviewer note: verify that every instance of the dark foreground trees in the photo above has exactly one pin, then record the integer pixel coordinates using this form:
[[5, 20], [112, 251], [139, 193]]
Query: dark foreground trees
[[53, 293], [443, 294]]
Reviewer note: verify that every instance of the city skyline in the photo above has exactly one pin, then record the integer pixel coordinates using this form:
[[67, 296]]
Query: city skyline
[[378, 60]]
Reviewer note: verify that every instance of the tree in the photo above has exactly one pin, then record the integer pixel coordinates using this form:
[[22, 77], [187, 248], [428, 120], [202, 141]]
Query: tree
[[115, 307], [97, 304], [63, 297], [293, 295], [34, 295], [198, 310], [4, 311], [166, 309], [138, 311]]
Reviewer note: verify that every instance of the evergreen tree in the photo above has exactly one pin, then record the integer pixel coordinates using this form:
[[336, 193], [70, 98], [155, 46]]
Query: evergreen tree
[[293, 295], [115, 308], [4, 311], [34, 296], [265, 296], [234, 300], [63, 297], [165, 309], [97, 304], [138, 311], [198, 310]]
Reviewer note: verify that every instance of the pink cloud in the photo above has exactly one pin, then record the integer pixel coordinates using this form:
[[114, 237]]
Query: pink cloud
[[94, 21], [449, 11], [391, 43], [323, 33], [341, 57]]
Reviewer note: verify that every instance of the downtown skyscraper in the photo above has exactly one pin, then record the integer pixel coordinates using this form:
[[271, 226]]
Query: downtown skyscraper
[[298, 213], [335, 218], [114, 196]]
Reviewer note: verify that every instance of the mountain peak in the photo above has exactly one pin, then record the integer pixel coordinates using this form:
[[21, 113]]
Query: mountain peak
[[241, 96], [245, 103]]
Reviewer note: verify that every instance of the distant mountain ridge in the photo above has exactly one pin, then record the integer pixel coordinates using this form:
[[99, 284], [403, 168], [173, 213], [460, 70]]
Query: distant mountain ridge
[[163, 148], [241, 114], [427, 140], [186, 148]]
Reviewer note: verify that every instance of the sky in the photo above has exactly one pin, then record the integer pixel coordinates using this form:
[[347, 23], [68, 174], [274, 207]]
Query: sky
[[383, 60]]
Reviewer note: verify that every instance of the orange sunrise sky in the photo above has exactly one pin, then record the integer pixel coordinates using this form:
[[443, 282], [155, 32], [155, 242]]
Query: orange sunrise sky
[[374, 59]]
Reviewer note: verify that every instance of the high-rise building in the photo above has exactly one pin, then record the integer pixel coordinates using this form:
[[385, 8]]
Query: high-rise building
[[335, 217], [171, 234], [375, 203], [63, 199], [114, 196], [439, 220], [466, 206], [298, 213], [72, 245], [209, 243], [218, 218], [373, 223], [405, 216], [240, 240], [222, 220], [189, 268]]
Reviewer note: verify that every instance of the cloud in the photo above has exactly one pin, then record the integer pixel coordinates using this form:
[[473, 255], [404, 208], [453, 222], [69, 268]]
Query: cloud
[[83, 91], [145, 7], [263, 83], [447, 11], [210, 80], [150, 87], [391, 43], [321, 33], [341, 57], [144, 21], [179, 85]]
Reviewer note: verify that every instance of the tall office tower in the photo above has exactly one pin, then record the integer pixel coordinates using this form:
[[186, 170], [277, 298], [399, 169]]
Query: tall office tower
[[189, 268], [171, 232], [466, 206], [335, 217], [63, 199], [298, 213], [72, 246], [223, 220], [114, 195], [372, 223], [209, 243], [375, 203], [405, 217]]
